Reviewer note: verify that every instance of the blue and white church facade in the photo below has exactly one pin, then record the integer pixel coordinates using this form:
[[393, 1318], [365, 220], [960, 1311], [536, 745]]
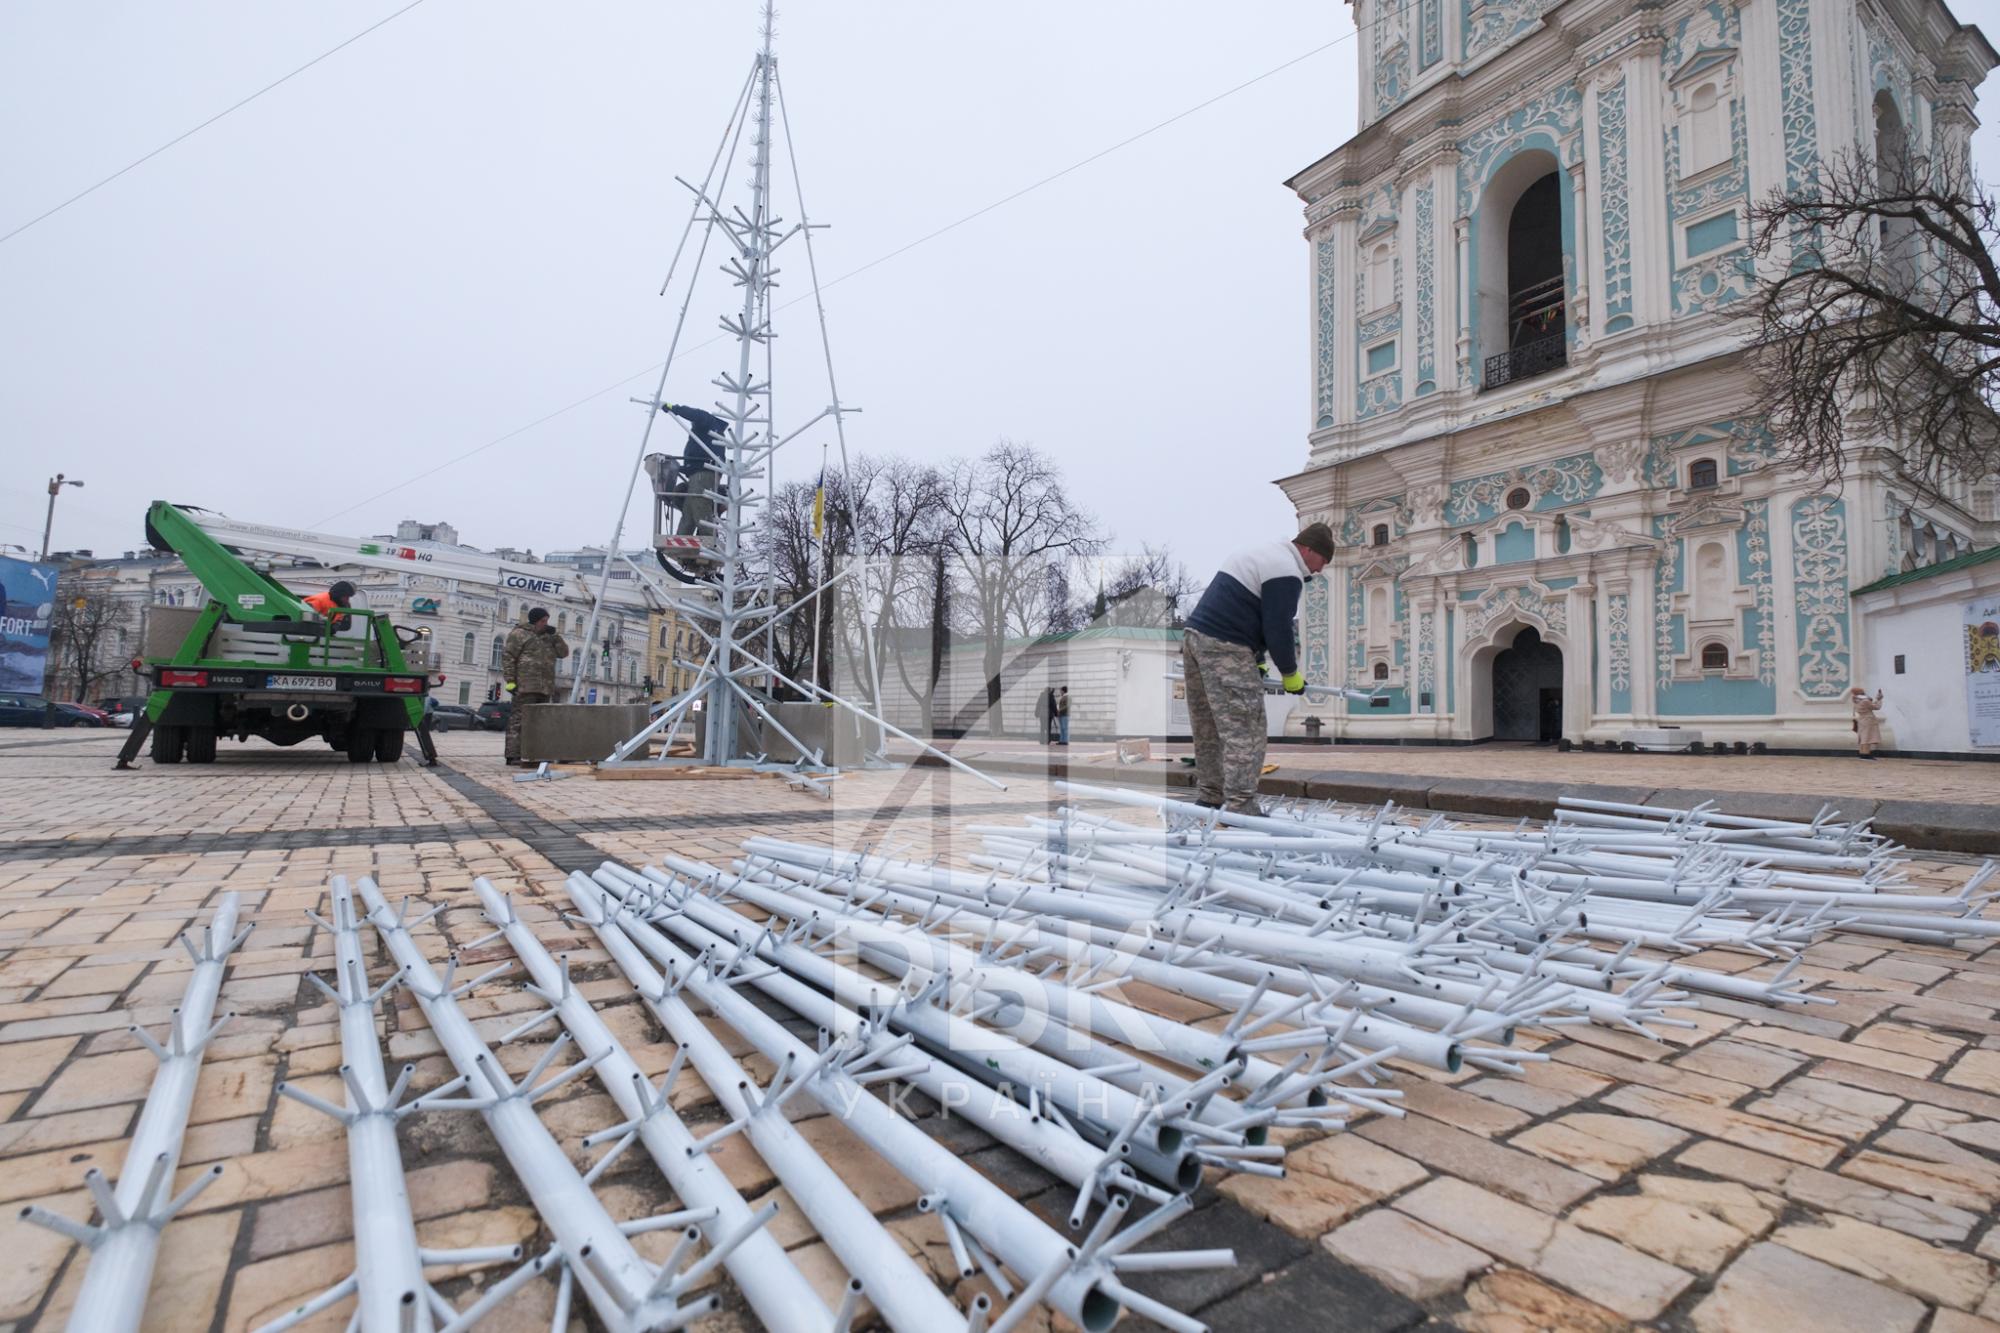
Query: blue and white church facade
[[1531, 424]]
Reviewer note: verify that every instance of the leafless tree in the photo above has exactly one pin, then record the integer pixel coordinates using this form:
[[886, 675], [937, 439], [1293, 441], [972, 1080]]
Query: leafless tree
[[904, 536], [1151, 590], [789, 554], [884, 527], [1882, 295], [87, 632], [1012, 524]]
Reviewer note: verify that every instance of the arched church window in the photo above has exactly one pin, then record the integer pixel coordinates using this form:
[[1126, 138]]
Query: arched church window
[[1535, 297], [1701, 474], [1518, 498], [1381, 535], [1562, 535], [1891, 143], [1519, 294], [1711, 582], [1705, 135], [1892, 170], [1714, 657], [1471, 544], [1381, 671], [1381, 276]]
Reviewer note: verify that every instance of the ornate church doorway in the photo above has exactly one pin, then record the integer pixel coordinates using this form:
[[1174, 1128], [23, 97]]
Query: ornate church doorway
[[1527, 689]]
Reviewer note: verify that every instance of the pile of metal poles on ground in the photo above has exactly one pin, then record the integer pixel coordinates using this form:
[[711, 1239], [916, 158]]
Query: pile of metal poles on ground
[[677, 946], [1128, 1005], [1332, 941], [1825, 870]]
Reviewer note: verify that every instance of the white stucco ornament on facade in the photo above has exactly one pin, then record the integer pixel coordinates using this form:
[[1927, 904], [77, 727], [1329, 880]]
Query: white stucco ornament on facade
[[1572, 449]]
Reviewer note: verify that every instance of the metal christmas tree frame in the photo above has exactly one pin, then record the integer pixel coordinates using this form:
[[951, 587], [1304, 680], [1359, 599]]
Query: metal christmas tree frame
[[733, 608]]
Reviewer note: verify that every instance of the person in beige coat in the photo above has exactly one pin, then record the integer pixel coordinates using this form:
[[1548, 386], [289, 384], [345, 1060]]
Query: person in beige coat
[[1867, 725]]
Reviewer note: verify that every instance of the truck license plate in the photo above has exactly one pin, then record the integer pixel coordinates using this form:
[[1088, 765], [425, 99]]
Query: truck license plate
[[303, 683]]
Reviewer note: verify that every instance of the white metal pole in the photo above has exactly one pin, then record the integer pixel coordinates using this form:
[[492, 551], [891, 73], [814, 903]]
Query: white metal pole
[[1057, 1271], [773, 1285], [904, 1295], [629, 1295], [125, 1243]]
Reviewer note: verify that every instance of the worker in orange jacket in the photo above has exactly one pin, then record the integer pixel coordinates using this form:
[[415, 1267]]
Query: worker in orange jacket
[[334, 600]]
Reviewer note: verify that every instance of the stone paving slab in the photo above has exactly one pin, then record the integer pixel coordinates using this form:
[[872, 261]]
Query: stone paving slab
[[1763, 1171]]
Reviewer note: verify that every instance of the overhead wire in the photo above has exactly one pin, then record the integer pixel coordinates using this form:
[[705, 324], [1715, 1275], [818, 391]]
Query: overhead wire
[[225, 112], [879, 260]]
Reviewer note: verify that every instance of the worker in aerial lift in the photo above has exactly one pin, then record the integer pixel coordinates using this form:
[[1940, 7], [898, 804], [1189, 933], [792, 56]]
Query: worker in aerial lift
[[701, 466], [1246, 613], [332, 601]]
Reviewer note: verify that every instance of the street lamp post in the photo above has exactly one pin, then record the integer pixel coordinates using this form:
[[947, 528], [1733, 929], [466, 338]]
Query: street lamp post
[[56, 483]]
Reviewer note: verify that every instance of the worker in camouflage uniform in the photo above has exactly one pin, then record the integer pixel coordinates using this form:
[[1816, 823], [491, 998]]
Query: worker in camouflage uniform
[[529, 664], [1246, 613]]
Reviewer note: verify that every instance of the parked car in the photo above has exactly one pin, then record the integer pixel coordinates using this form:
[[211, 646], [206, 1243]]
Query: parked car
[[28, 710], [454, 717], [85, 715], [493, 714], [123, 709]]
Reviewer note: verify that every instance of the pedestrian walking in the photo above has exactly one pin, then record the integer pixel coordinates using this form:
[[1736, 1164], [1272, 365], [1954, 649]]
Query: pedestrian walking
[[1245, 614], [1062, 716], [528, 662], [1867, 725]]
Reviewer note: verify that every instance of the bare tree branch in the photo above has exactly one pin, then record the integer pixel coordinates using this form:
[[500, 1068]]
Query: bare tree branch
[[1881, 295], [1015, 533], [86, 634]]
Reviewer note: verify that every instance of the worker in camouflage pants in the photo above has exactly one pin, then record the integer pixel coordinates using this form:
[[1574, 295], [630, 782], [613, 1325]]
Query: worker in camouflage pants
[[1225, 698], [529, 663], [1246, 613]]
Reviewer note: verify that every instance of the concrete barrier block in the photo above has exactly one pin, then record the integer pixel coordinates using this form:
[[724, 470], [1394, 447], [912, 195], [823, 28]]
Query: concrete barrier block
[[577, 733]]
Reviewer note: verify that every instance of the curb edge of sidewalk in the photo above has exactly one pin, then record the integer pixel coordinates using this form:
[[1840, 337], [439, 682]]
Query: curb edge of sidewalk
[[1936, 826]]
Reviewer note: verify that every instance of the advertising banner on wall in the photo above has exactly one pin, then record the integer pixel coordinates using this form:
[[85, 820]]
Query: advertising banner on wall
[[27, 600], [1982, 670]]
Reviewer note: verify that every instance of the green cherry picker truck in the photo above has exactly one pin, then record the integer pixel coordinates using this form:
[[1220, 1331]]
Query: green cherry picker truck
[[256, 661]]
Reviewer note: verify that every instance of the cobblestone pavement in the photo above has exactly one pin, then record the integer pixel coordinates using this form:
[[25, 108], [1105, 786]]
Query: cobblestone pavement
[[1827, 1170]]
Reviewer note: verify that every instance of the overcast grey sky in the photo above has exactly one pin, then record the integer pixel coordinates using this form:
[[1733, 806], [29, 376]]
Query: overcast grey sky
[[458, 224]]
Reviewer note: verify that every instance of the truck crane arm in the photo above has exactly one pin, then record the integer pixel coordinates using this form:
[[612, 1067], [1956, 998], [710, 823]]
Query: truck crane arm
[[250, 595], [223, 536]]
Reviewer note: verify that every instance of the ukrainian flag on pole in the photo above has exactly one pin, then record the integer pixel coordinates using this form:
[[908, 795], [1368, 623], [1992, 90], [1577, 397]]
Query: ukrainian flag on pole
[[819, 505]]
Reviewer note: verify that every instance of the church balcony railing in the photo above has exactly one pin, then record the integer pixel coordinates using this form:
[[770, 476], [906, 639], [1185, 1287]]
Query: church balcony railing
[[1526, 361]]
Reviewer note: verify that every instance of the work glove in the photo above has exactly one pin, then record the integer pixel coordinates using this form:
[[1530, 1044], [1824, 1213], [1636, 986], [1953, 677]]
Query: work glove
[[1295, 682], [1264, 669], [510, 687]]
